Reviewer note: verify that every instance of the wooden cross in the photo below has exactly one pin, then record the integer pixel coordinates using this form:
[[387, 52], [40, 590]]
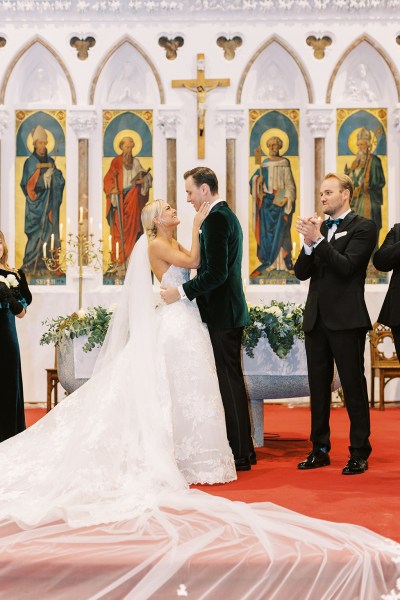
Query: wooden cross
[[201, 87]]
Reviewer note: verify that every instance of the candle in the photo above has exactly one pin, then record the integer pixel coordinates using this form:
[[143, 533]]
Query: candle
[[61, 232], [45, 250], [52, 242], [109, 243], [81, 215], [91, 226], [117, 251], [100, 231], [68, 225]]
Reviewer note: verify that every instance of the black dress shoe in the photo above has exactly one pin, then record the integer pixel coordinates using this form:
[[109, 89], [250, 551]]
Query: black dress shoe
[[315, 460], [355, 466], [253, 458], [242, 464]]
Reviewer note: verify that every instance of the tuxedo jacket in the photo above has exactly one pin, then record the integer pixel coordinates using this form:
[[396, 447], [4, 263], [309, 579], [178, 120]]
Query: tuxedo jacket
[[337, 270], [218, 286], [386, 259]]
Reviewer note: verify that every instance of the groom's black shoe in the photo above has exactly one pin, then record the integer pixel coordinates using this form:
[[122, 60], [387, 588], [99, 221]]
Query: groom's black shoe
[[253, 458], [314, 460], [242, 464], [356, 465]]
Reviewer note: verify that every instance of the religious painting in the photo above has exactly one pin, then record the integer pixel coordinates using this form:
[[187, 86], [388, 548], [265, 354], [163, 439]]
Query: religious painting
[[362, 155], [127, 185], [40, 210], [273, 203]]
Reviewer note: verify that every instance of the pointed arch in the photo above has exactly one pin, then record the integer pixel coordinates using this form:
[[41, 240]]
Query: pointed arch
[[36, 40], [369, 40], [126, 40], [275, 39]]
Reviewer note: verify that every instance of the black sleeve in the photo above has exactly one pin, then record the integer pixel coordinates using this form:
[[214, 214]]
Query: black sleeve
[[388, 255], [23, 287]]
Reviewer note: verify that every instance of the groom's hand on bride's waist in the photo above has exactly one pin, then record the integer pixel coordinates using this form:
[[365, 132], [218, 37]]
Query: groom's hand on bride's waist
[[169, 294]]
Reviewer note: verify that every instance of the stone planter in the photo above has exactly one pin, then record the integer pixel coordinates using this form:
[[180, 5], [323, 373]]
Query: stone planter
[[268, 377], [75, 367]]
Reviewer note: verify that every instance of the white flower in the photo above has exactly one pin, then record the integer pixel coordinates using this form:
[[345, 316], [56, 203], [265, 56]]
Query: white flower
[[13, 281], [274, 310], [81, 313], [4, 280]]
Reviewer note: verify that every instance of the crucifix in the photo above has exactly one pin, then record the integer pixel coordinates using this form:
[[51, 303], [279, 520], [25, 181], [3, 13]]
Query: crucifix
[[201, 87]]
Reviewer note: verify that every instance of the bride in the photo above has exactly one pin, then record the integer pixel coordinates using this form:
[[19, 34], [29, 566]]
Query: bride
[[94, 499]]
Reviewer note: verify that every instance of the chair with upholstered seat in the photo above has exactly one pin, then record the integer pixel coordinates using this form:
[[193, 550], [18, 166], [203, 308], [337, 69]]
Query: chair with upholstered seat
[[384, 361]]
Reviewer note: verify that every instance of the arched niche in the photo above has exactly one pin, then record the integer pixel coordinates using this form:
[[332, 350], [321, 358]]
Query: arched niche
[[364, 75], [274, 75], [37, 76], [126, 76]]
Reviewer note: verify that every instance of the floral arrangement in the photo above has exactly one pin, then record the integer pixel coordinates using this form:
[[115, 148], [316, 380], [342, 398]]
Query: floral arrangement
[[92, 322], [11, 281], [280, 323]]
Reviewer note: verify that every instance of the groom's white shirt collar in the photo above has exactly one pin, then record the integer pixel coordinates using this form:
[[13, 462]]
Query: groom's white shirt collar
[[216, 202]]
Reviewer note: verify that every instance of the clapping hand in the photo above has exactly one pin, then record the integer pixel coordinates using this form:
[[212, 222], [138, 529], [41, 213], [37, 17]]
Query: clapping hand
[[309, 227]]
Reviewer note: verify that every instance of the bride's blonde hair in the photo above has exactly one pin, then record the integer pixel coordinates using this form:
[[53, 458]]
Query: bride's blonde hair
[[151, 211]]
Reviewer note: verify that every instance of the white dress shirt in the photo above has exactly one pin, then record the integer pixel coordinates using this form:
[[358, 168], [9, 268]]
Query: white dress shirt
[[309, 249]]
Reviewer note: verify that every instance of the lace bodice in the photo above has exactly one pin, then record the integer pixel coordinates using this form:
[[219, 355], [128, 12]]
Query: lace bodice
[[175, 276]]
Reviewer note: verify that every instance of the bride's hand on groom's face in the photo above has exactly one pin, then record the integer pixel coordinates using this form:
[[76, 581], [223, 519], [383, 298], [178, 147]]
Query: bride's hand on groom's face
[[201, 214], [169, 294]]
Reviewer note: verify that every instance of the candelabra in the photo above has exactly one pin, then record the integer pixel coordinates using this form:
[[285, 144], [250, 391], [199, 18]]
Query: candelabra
[[79, 250]]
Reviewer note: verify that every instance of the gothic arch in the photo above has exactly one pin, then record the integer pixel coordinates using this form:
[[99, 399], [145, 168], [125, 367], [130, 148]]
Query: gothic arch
[[115, 48], [364, 38], [292, 53], [36, 40]]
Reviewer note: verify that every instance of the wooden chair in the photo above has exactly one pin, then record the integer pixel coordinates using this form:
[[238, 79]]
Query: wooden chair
[[382, 366], [52, 383]]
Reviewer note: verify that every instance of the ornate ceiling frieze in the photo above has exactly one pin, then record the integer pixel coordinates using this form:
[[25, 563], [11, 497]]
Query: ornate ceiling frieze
[[185, 9]]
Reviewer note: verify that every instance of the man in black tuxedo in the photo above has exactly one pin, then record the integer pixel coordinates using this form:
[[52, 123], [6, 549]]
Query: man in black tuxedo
[[218, 290], [335, 256], [386, 259]]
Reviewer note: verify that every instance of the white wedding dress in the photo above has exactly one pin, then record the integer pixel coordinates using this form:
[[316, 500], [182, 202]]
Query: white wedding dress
[[94, 499]]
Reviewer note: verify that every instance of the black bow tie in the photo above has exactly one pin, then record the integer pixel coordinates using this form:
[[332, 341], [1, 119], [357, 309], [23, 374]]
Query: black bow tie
[[331, 222]]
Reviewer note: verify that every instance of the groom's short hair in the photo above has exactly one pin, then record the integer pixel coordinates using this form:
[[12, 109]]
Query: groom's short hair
[[202, 175]]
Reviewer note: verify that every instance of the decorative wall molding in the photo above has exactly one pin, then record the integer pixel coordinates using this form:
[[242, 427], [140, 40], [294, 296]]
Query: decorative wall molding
[[250, 9], [171, 45], [233, 118], [396, 118], [319, 45], [168, 120], [82, 46], [4, 120], [319, 119], [83, 122], [229, 45]]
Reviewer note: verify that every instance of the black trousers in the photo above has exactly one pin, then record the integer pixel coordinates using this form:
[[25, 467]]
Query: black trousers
[[346, 348], [396, 337], [227, 344]]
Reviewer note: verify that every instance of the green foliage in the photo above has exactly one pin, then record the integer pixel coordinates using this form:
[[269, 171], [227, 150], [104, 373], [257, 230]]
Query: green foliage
[[280, 323], [93, 322]]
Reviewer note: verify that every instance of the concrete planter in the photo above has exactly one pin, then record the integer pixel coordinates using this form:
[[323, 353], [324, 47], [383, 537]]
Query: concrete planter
[[75, 367]]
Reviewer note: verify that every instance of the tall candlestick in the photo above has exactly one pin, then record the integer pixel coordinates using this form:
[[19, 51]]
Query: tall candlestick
[[81, 215], [52, 242], [117, 251], [45, 250], [109, 243], [61, 232], [91, 226]]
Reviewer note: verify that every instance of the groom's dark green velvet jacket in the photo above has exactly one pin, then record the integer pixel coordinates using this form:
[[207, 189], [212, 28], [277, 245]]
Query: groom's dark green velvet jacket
[[218, 285]]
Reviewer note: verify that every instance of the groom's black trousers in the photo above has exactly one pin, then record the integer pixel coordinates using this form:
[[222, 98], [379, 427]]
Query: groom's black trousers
[[227, 345]]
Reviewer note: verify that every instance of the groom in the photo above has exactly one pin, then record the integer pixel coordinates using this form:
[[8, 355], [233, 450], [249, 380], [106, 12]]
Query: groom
[[219, 292]]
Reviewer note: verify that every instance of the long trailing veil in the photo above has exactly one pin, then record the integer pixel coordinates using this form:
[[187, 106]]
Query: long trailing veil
[[93, 505]]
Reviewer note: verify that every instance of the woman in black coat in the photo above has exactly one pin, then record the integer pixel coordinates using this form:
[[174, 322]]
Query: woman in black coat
[[386, 259], [14, 298]]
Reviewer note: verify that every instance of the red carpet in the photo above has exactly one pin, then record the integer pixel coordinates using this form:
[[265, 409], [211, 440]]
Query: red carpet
[[371, 499]]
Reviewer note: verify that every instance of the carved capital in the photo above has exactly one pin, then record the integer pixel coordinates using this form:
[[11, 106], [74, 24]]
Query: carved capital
[[4, 120], [83, 122], [168, 120], [319, 120], [233, 118]]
